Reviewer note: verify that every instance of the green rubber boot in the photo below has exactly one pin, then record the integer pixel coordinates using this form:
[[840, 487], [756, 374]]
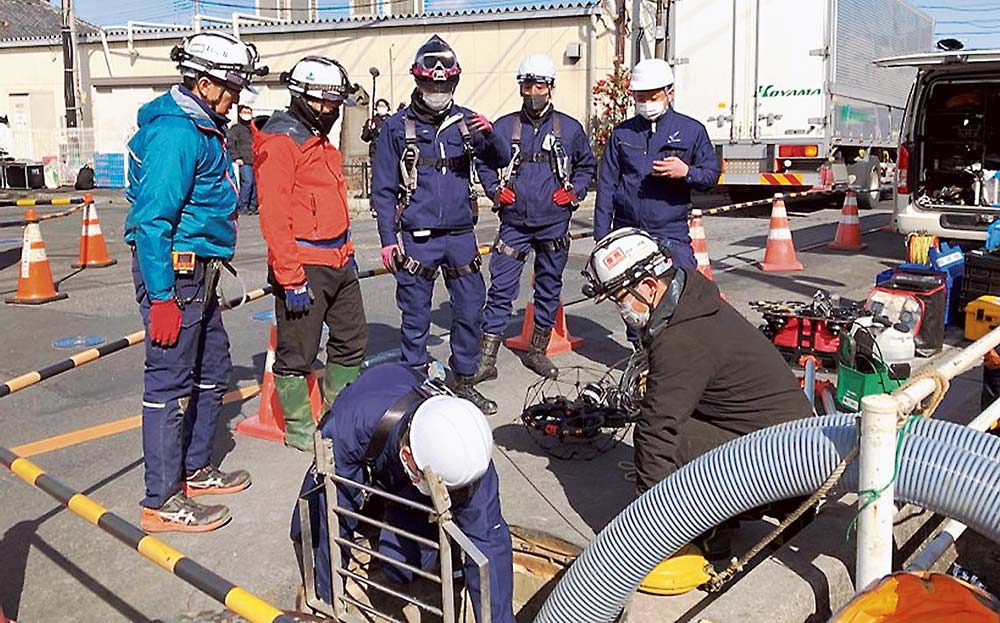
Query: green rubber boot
[[293, 394], [336, 378]]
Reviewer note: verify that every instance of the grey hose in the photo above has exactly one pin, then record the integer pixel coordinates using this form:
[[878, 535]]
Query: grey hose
[[944, 467]]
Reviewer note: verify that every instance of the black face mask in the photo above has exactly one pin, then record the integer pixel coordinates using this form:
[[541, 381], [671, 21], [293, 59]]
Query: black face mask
[[535, 104], [319, 123]]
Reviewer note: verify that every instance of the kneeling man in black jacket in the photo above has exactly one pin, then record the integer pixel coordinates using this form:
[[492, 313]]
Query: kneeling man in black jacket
[[712, 375]]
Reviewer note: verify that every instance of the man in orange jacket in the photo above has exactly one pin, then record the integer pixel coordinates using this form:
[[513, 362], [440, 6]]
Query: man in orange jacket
[[310, 256]]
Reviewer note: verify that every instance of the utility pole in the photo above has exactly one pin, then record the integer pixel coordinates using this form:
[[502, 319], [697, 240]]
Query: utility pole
[[662, 31], [621, 27], [69, 63]]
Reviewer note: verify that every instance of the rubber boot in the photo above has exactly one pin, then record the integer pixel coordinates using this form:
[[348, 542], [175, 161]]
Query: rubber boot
[[536, 360], [336, 378], [488, 348], [293, 394], [464, 387]]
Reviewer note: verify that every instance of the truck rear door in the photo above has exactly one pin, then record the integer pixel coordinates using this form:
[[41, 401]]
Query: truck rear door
[[701, 32], [790, 70]]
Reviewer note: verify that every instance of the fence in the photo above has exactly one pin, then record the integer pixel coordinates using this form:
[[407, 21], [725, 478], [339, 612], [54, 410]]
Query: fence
[[341, 576]]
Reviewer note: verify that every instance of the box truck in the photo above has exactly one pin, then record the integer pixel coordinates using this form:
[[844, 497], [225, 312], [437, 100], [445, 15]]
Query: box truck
[[789, 91]]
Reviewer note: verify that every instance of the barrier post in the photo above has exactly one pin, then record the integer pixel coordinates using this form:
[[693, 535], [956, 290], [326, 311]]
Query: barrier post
[[875, 490]]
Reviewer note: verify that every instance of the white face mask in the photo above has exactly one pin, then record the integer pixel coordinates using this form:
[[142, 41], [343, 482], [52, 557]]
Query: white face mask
[[417, 479], [381, 111], [437, 101], [246, 117], [650, 110], [635, 319]]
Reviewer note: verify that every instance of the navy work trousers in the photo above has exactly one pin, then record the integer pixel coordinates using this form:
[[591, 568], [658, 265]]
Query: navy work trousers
[[248, 189], [183, 386], [505, 275], [467, 294]]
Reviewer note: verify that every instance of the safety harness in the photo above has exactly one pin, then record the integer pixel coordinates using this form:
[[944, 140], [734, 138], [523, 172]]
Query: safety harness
[[557, 158], [401, 412], [540, 246], [408, 163], [411, 159]]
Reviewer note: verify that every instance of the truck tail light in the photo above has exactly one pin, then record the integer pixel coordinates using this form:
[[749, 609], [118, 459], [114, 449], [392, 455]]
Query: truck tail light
[[903, 169], [798, 151]]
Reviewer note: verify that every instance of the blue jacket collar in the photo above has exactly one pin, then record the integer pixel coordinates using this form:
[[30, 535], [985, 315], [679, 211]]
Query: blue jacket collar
[[194, 107]]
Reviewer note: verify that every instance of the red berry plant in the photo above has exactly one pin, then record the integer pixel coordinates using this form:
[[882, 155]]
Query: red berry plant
[[612, 100]]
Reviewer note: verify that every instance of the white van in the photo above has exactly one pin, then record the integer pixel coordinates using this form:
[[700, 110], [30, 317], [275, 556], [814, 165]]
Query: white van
[[948, 173]]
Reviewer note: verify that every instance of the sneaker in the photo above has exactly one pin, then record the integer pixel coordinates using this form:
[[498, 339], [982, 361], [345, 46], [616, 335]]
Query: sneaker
[[210, 480], [181, 514]]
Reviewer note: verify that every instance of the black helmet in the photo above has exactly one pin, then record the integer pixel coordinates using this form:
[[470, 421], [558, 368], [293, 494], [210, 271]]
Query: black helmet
[[436, 60]]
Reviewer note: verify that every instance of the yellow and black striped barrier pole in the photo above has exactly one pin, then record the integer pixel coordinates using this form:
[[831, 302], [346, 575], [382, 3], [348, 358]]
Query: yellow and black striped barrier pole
[[93, 354], [30, 202], [760, 202], [240, 601]]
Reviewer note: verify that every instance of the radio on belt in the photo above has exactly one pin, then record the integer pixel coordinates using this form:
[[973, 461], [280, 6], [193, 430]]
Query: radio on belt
[[183, 261]]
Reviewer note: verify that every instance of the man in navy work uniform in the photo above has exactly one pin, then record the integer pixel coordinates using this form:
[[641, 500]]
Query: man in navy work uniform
[[181, 227], [651, 163], [423, 193], [387, 427], [551, 167]]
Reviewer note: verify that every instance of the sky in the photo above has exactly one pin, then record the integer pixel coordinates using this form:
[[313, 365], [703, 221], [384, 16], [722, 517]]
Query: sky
[[975, 22]]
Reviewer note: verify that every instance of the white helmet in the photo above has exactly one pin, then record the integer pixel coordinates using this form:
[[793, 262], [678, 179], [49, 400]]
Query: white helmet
[[622, 259], [452, 437], [220, 56], [319, 78], [651, 74], [537, 68]]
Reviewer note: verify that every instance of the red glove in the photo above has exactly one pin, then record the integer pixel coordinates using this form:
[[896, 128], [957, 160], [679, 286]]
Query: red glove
[[506, 196], [479, 123], [164, 322], [389, 252], [563, 197]]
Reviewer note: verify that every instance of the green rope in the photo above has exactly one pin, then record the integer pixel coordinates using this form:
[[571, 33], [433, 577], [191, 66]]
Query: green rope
[[870, 496]]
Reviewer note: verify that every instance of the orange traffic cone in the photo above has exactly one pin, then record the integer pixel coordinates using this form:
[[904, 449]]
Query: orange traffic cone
[[848, 236], [700, 244], [269, 423], [93, 249], [560, 342], [34, 285], [779, 254]]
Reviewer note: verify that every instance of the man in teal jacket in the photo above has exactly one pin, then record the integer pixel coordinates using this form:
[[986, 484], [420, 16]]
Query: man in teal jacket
[[181, 227]]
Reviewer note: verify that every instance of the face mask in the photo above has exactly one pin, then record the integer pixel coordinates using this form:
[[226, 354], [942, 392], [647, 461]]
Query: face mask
[[633, 318], [381, 111], [436, 101], [650, 110], [420, 483], [326, 120], [246, 117], [535, 104]]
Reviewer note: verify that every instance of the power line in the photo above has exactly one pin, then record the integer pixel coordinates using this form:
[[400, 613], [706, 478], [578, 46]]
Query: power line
[[959, 9]]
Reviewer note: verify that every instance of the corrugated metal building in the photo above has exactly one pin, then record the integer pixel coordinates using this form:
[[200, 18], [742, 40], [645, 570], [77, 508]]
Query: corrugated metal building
[[121, 68]]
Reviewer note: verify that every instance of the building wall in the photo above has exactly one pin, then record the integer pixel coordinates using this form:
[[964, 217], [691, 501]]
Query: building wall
[[116, 83], [31, 96]]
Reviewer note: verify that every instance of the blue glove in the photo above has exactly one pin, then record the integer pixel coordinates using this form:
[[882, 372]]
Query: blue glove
[[298, 300]]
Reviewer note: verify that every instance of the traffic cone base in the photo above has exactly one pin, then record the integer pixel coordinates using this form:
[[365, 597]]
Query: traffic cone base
[[34, 283], [560, 342], [779, 253], [269, 423], [848, 236], [93, 249]]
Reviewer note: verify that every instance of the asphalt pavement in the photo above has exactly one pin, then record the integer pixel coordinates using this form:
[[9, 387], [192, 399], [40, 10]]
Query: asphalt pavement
[[54, 567]]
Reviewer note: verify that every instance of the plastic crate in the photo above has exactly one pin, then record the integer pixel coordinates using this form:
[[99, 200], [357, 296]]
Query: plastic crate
[[109, 170], [981, 276], [853, 385], [982, 316]]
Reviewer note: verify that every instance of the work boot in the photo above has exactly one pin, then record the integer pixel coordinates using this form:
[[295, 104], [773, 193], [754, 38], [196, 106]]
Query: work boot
[[536, 360], [181, 514], [210, 480], [293, 394], [717, 543], [464, 387], [336, 378], [488, 348]]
